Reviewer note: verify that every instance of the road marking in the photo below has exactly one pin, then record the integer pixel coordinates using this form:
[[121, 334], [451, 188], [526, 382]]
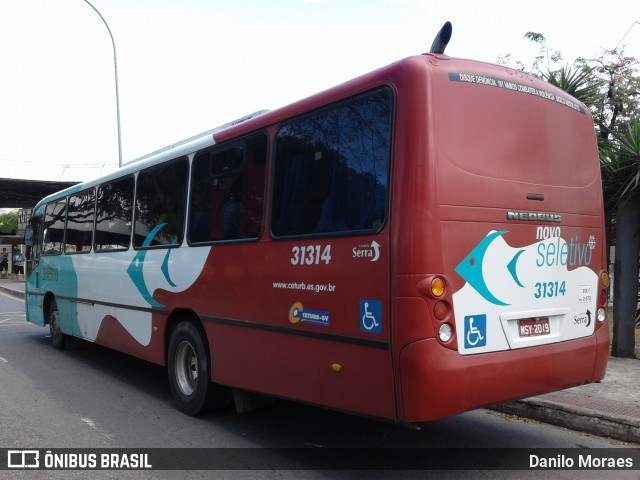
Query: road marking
[[89, 422], [2, 359], [12, 322], [93, 425], [13, 319]]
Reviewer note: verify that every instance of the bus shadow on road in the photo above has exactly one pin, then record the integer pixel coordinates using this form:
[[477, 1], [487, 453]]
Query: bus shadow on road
[[144, 376]]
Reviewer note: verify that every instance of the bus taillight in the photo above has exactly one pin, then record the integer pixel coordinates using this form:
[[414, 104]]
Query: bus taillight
[[434, 289], [437, 287], [441, 310], [445, 332], [603, 298]]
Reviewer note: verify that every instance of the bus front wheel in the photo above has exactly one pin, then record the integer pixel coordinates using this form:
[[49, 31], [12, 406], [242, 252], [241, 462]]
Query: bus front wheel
[[58, 339], [189, 366]]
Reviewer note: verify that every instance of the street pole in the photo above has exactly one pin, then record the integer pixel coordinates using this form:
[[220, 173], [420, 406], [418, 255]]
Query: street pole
[[115, 68]]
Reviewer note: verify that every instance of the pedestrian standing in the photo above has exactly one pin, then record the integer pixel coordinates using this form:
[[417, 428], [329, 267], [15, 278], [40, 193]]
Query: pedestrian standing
[[18, 265], [4, 263]]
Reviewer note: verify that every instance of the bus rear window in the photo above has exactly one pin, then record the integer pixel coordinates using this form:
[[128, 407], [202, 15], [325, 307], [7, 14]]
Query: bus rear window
[[332, 167], [514, 136]]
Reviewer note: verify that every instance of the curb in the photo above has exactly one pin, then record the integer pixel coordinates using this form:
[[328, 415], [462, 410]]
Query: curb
[[12, 292], [618, 427]]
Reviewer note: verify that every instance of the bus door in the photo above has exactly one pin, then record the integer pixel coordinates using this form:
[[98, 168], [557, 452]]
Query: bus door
[[51, 282], [33, 242]]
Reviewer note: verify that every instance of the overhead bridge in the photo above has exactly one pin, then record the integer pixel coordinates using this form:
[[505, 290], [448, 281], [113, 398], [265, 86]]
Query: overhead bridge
[[20, 193], [24, 194]]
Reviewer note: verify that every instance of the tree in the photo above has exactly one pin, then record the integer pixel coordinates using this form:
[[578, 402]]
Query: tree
[[624, 166], [616, 116], [8, 223]]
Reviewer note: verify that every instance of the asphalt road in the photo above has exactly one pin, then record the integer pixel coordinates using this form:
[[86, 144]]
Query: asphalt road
[[91, 397]]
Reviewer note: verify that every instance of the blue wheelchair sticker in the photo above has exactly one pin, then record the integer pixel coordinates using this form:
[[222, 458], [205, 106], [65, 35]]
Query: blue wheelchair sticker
[[371, 316], [475, 331]]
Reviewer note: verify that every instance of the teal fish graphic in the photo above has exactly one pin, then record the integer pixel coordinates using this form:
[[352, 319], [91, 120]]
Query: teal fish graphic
[[135, 269], [470, 269]]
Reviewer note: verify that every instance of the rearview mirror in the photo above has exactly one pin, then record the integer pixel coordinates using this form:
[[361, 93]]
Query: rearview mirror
[[28, 235]]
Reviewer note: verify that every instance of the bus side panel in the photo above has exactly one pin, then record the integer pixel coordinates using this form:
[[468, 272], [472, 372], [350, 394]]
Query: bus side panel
[[33, 301], [313, 327], [54, 273], [346, 377], [113, 334], [138, 290]]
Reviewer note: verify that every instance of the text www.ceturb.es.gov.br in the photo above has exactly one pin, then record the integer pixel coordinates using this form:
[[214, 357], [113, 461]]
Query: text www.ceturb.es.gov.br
[[308, 287]]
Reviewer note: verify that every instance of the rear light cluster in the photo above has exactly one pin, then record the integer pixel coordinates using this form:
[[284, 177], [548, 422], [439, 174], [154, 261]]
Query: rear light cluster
[[435, 289], [603, 297]]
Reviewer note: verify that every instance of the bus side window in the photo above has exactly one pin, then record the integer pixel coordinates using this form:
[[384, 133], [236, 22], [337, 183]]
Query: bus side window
[[225, 193], [54, 220], [227, 200], [113, 215], [252, 206], [331, 169], [161, 197], [80, 217]]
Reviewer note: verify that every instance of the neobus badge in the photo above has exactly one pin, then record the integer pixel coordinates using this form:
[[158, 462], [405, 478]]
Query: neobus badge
[[534, 217]]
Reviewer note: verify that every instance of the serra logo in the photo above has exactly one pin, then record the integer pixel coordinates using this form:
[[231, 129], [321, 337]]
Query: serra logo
[[372, 252]]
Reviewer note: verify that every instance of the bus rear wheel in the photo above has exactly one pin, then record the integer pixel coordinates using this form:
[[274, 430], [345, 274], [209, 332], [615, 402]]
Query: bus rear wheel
[[189, 366], [58, 339]]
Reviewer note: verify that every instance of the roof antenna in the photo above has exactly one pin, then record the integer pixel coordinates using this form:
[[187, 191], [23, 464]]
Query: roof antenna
[[442, 39]]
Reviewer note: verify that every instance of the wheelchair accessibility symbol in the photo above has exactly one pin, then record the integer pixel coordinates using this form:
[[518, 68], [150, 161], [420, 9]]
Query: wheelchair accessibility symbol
[[371, 316], [475, 331]]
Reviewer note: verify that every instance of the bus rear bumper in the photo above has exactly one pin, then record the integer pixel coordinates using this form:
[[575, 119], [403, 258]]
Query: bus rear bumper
[[437, 382]]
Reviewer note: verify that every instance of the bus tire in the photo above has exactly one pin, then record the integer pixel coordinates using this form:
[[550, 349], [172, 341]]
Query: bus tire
[[189, 367], [58, 339]]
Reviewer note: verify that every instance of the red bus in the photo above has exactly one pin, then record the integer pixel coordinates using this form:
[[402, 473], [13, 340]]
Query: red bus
[[420, 241]]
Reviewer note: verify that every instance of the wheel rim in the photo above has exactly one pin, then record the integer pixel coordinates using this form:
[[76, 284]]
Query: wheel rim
[[186, 368]]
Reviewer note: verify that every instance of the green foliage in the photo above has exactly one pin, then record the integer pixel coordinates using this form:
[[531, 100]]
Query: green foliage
[[578, 82], [618, 103], [8, 223], [553, 56], [624, 162]]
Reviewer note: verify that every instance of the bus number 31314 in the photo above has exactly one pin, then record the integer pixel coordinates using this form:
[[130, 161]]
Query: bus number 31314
[[310, 255], [550, 289]]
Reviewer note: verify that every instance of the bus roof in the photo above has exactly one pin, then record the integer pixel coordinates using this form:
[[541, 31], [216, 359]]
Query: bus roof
[[265, 118]]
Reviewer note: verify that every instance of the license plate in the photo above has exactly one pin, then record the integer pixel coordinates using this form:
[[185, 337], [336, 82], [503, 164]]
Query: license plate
[[534, 327]]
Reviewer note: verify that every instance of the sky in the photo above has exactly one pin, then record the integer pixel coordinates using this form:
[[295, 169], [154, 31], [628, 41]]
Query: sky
[[188, 66]]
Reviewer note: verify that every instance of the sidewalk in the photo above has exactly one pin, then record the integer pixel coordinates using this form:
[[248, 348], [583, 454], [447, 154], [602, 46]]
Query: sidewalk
[[610, 408], [12, 286]]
